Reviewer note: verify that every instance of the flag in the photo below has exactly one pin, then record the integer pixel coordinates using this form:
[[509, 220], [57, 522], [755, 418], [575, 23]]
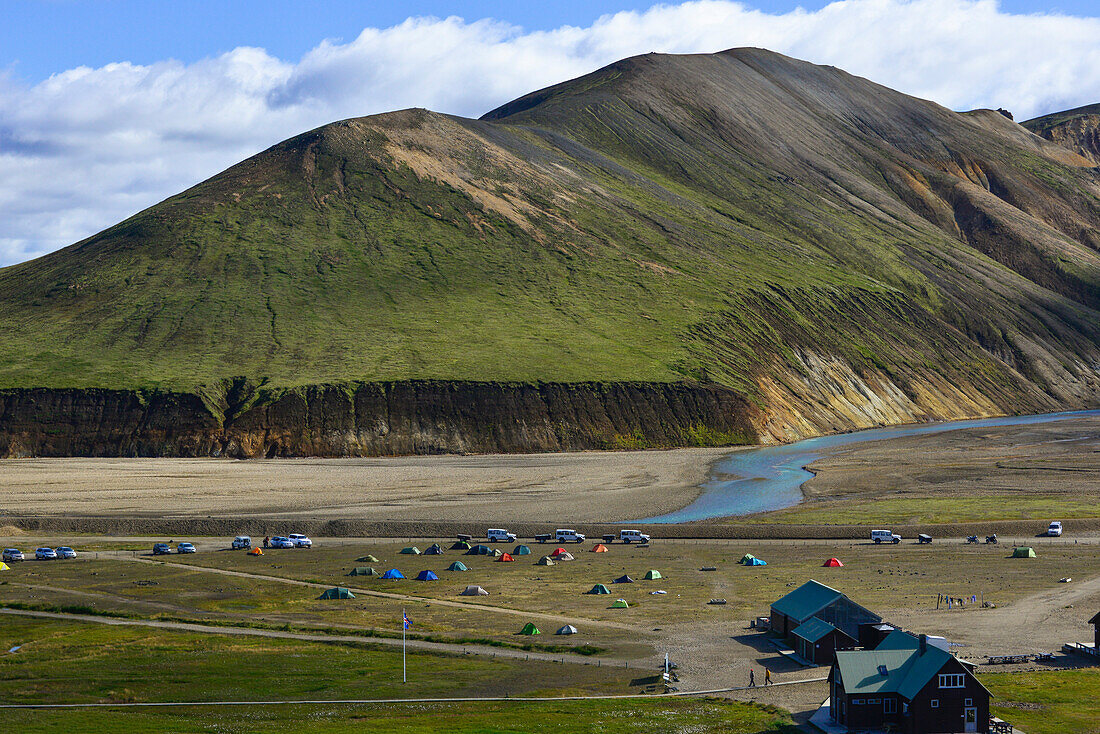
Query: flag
[[405, 618]]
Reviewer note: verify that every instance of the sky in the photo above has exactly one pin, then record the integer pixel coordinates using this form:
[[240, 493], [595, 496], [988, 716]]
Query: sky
[[108, 106]]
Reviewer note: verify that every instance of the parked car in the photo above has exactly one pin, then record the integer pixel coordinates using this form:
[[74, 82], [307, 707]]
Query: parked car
[[500, 535], [161, 549], [66, 552], [185, 548], [884, 536], [242, 542], [45, 554], [279, 541], [300, 541], [633, 536], [1055, 529], [13, 554], [564, 535]]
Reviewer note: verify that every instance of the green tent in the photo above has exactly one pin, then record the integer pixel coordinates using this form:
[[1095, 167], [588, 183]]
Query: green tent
[[652, 575], [366, 559], [412, 550], [620, 604], [338, 592], [461, 545], [747, 559], [1024, 551], [521, 550], [599, 589], [530, 629], [363, 571], [457, 566]]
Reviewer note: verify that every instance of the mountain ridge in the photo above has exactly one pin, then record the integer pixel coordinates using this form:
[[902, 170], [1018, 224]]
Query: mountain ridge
[[835, 253]]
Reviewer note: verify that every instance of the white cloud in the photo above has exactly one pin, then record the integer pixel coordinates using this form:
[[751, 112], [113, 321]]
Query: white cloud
[[87, 147]]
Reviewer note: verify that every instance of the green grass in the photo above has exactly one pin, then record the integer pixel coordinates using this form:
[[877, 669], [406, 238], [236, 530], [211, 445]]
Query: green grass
[[887, 510], [1047, 702]]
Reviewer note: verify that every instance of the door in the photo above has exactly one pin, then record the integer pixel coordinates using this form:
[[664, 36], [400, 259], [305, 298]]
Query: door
[[970, 718]]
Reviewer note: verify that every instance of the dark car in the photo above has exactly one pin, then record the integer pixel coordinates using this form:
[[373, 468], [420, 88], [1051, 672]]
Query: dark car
[[161, 549]]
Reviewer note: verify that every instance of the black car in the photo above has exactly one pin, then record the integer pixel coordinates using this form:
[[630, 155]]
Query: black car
[[161, 549]]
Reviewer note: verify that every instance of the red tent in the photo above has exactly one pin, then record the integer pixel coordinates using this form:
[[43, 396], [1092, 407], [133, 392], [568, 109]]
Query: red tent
[[832, 563], [505, 558], [559, 551], [600, 548]]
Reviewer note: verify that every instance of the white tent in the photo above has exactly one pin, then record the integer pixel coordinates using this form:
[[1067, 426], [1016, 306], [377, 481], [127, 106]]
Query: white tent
[[567, 630], [564, 557], [473, 591]]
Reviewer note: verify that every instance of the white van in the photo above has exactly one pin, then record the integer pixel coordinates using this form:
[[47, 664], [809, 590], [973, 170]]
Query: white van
[[1055, 529], [500, 535], [242, 542], [563, 535], [884, 536], [633, 536]]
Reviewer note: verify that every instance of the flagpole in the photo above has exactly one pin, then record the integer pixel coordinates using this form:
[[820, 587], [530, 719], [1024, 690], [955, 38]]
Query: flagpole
[[404, 679]]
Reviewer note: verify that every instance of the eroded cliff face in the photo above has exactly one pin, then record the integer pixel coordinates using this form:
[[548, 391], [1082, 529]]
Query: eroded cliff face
[[373, 419], [1079, 133]]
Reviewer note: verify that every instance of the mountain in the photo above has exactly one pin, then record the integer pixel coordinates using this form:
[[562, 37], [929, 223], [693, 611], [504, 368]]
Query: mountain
[[1077, 129], [672, 250]]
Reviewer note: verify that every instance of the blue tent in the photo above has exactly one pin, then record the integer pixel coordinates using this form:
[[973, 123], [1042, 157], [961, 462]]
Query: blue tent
[[393, 573], [426, 575], [756, 562]]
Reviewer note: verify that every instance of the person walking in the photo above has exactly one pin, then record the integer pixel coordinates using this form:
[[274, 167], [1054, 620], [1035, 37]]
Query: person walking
[[752, 678], [767, 676], [266, 541]]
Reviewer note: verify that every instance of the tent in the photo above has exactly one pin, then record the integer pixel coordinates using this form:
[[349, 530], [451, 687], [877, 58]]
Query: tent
[[832, 563], [623, 580], [461, 545], [746, 560], [521, 550], [1024, 551], [4, 566], [599, 589], [337, 592], [412, 550], [558, 551], [363, 571], [753, 561], [457, 566], [480, 550], [393, 573], [473, 591], [505, 558], [530, 629], [620, 604], [652, 575], [367, 559], [255, 551], [434, 550], [567, 630], [564, 557], [599, 548], [497, 553], [426, 575], [545, 561]]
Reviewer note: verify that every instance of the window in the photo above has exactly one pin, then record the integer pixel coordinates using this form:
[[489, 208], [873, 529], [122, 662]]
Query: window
[[889, 706], [871, 701], [952, 680], [934, 703], [905, 708], [968, 702], [857, 701]]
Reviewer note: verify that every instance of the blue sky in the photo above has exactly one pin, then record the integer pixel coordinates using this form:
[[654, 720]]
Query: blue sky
[[40, 37], [108, 106]]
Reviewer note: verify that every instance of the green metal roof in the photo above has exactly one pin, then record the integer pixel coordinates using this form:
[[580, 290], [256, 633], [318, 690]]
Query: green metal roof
[[806, 600], [813, 630], [907, 669]]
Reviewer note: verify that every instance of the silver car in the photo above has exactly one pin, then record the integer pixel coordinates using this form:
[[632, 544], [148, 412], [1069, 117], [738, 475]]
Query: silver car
[[66, 552], [45, 554], [13, 554]]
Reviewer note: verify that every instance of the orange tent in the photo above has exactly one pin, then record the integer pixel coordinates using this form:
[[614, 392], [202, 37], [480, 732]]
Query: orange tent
[[600, 548], [832, 563], [255, 552], [506, 558], [559, 551]]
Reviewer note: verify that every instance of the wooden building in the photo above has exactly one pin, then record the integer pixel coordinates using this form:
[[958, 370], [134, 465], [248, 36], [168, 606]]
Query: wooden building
[[816, 601], [907, 684], [817, 641]]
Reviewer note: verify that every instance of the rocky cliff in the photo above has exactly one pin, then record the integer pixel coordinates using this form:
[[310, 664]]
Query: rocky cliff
[[1077, 129]]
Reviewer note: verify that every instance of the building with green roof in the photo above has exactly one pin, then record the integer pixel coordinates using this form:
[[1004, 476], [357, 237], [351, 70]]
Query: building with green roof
[[816, 640], [909, 685], [816, 600]]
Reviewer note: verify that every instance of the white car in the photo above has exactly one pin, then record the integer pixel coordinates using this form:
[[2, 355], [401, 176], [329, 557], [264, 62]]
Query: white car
[[300, 541], [14, 554], [66, 552], [885, 536], [633, 536], [185, 548], [279, 541], [45, 554], [563, 535], [242, 542], [1055, 529], [499, 535]]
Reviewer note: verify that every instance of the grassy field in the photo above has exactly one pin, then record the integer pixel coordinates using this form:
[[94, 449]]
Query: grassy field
[[1048, 702], [892, 510], [71, 662]]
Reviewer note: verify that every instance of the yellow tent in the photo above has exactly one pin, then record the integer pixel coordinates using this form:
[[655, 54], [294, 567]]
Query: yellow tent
[[4, 566], [255, 551]]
